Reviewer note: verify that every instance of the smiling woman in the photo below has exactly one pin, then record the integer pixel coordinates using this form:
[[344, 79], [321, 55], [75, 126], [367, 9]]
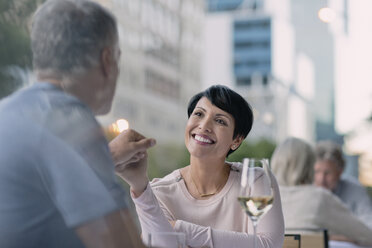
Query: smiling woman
[[209, 131], [200, 199]]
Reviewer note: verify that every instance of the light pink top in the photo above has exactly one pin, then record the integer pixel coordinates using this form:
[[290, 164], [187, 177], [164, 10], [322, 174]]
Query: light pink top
[[218, 221]]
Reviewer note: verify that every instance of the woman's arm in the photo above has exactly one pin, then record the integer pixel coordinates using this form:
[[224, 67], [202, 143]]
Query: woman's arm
[[150, 214], [201, 236], [270, 230]]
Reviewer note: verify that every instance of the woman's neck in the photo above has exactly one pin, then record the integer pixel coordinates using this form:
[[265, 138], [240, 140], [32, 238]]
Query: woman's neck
[[208, 166], [206, 177]]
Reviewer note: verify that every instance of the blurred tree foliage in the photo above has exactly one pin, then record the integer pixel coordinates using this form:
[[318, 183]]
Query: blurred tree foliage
[[14, 40], [163, 159], [262, 148]]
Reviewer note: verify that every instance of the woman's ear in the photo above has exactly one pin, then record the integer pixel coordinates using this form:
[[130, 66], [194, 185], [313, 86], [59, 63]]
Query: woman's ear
[[236, 143]]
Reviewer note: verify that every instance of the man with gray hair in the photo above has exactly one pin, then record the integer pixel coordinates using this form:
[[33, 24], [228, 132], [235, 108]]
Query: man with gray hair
[[57, 181], [327, 174]]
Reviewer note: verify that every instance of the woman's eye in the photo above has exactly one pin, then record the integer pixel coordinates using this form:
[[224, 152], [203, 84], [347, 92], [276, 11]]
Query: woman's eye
[[198, 113], [220, 121]]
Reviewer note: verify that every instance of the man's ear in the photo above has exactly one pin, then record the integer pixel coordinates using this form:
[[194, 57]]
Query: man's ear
[[106, 61]]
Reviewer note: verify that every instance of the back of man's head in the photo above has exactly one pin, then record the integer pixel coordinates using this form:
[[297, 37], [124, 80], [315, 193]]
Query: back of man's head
[[68, 36]]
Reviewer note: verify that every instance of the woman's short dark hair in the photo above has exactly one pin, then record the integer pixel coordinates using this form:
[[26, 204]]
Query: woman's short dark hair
[[231, 102]]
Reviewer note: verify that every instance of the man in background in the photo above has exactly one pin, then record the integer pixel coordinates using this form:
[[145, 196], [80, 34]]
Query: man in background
[[327, 173], [57, 181]]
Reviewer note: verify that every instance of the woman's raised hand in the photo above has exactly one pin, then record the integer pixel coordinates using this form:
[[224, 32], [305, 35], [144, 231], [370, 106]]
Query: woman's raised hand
[[129, 153]]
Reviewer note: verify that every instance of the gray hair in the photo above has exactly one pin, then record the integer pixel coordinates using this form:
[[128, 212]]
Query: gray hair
[[331, 151], [293, 162], [68, 36]]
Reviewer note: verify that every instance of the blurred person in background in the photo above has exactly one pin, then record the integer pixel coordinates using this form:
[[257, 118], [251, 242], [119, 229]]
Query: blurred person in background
[[57, 181], [306, 206], [200, 199], [328, 169]]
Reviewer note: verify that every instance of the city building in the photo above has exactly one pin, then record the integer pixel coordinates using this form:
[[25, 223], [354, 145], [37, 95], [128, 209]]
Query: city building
[[303, 65], [256, 50], [350, 23], [160, 68], [280, 55]]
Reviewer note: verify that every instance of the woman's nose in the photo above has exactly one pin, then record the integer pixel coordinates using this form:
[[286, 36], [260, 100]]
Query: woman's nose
[[206, 124]]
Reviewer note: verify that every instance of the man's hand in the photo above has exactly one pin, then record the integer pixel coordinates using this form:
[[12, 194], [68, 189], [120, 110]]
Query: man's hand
[[130, 158], [129, 146]]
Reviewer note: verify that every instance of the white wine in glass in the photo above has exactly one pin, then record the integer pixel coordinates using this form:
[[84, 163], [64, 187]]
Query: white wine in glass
[[256, 190]]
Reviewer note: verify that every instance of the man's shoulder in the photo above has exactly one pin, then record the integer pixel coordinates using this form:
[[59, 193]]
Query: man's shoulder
[[42, 114], [350, 189], [37, 100], [350, 183], [59, 112]]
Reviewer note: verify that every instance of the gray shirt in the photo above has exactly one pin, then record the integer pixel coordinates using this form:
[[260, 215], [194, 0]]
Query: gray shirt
[[356, 198], [56, 171]]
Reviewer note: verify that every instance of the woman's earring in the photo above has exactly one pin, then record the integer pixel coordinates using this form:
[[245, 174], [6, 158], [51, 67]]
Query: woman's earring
[[233, 147]]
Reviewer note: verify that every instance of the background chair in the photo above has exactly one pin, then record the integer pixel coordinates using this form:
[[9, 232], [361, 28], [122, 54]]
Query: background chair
[[292, 241], [311, 238]]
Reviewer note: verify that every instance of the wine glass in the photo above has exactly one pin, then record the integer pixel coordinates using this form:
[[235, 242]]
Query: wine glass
[[256, 190]]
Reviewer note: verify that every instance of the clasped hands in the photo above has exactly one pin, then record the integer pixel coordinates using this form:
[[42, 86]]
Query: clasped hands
[[129, 153]]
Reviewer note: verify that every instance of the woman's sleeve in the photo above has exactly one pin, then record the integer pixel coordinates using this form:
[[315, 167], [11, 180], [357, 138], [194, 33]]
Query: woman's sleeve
[[150, 214], [270, 230], [335, 217]]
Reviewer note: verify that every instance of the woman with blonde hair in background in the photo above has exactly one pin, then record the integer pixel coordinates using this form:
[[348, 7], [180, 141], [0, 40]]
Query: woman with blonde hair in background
[[306, 206]]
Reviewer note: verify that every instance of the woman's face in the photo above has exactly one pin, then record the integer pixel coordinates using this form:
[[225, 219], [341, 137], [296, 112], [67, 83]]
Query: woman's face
[[209, 131]]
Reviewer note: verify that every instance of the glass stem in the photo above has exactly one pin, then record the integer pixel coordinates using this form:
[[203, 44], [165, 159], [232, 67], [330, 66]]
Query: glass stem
[[254, 234]]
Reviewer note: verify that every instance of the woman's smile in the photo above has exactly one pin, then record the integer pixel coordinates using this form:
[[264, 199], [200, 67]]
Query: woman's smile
[[203, 139]]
